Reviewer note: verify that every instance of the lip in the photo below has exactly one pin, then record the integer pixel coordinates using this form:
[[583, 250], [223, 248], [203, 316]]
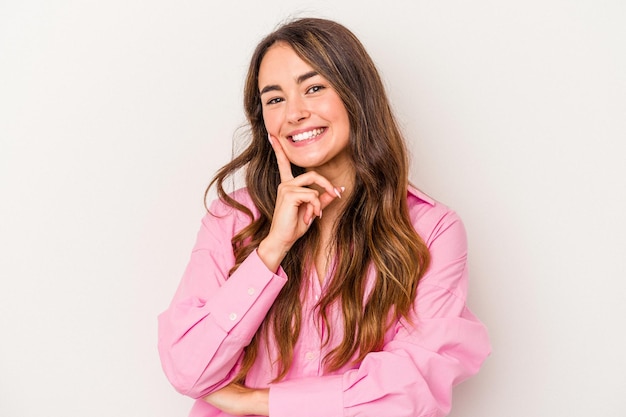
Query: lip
[[306, 141]]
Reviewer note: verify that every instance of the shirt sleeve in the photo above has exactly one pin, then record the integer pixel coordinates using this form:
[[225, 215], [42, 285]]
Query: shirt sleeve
[[414, 373], [212, 317]]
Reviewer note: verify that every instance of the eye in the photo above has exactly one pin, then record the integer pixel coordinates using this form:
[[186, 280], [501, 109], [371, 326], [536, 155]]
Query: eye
[[274, 100], [315, 89]]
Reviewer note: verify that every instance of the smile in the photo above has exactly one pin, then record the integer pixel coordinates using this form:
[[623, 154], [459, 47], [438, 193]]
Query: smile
[[307, 135]]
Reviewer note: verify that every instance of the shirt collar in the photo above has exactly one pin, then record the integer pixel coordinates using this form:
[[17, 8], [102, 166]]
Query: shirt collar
[[417, 193]]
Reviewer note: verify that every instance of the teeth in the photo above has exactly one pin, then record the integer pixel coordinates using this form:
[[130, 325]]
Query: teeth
[[306, 135]]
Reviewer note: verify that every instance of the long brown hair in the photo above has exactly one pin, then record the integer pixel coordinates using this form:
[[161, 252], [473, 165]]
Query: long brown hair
[[373, 228]]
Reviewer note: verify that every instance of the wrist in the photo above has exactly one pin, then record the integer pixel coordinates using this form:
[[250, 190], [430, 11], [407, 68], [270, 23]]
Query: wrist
[[259, 400], [271, 253]]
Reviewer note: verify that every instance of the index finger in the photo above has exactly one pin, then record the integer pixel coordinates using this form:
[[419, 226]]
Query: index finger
[[284, 165]]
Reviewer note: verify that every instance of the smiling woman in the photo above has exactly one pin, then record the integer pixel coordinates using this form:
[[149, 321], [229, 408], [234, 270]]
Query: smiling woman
[[328, 286], [302, 110]]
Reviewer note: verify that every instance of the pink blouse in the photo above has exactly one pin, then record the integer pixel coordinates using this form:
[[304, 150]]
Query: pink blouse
[[212, 318]]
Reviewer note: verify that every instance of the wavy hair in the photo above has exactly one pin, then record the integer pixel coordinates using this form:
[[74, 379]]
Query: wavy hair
[[373, 228]]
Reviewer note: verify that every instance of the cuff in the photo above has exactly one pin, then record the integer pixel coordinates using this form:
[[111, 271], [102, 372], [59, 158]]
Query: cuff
[[246, 297]]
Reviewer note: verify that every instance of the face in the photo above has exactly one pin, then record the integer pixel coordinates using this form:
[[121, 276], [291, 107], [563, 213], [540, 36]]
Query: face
[[303, 111]]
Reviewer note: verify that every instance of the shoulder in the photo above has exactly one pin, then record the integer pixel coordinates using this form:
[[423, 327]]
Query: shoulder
[[224, 216], [430, 218], [221, 208]]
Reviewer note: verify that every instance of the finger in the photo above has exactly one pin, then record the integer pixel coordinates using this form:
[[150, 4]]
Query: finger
[[284, 165], [312, 177], [298, 197], [327, 198], [308, 214]]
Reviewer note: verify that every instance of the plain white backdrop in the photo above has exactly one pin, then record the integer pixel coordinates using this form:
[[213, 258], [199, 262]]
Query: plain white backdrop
[[115, 114]]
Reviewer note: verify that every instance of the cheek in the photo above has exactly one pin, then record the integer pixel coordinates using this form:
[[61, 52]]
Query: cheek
[[336, 110], [341, 119], [271, 122]]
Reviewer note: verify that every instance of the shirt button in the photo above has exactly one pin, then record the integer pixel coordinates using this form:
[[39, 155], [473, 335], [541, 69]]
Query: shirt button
[[232, 316], [309, 356], [250, 291]]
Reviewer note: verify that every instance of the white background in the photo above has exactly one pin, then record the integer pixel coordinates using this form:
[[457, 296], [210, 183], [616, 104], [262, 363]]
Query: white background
[[115, 114]]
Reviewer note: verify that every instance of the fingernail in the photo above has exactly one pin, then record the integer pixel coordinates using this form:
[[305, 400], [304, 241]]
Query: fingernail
[[269, 137], [337, 192], [320, 214], [343, 189]]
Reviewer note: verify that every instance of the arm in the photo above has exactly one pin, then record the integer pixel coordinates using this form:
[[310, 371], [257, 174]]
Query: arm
[[414, 373], [211, 319], [212, 316]]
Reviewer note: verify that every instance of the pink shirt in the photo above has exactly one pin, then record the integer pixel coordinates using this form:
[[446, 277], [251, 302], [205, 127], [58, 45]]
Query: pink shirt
[[211, 319]]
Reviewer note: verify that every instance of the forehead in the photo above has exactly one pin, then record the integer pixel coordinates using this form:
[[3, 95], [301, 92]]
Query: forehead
[[281, 65]]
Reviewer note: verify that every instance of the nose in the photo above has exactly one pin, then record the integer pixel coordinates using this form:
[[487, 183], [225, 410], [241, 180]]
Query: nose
[[296, 110]]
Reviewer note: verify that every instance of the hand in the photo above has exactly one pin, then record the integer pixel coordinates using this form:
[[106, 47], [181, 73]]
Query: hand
[[296, 207], [239, 400]]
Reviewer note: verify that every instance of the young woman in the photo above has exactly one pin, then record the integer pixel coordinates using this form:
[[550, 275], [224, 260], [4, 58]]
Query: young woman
[[328, 286]]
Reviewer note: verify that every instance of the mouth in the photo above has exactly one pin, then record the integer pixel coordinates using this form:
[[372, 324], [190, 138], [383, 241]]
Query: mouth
[[310, 134]]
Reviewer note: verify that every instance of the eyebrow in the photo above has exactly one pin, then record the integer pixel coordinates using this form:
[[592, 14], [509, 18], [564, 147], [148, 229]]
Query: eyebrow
[[302, 78]]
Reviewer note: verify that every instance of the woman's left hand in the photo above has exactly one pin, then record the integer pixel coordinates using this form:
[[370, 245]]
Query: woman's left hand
[[240, 400]]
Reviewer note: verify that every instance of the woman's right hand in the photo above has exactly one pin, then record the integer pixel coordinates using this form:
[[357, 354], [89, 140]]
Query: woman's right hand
[[296, 207]]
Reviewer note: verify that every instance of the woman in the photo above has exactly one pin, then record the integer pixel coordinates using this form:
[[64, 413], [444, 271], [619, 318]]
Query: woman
[[301, 296]]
